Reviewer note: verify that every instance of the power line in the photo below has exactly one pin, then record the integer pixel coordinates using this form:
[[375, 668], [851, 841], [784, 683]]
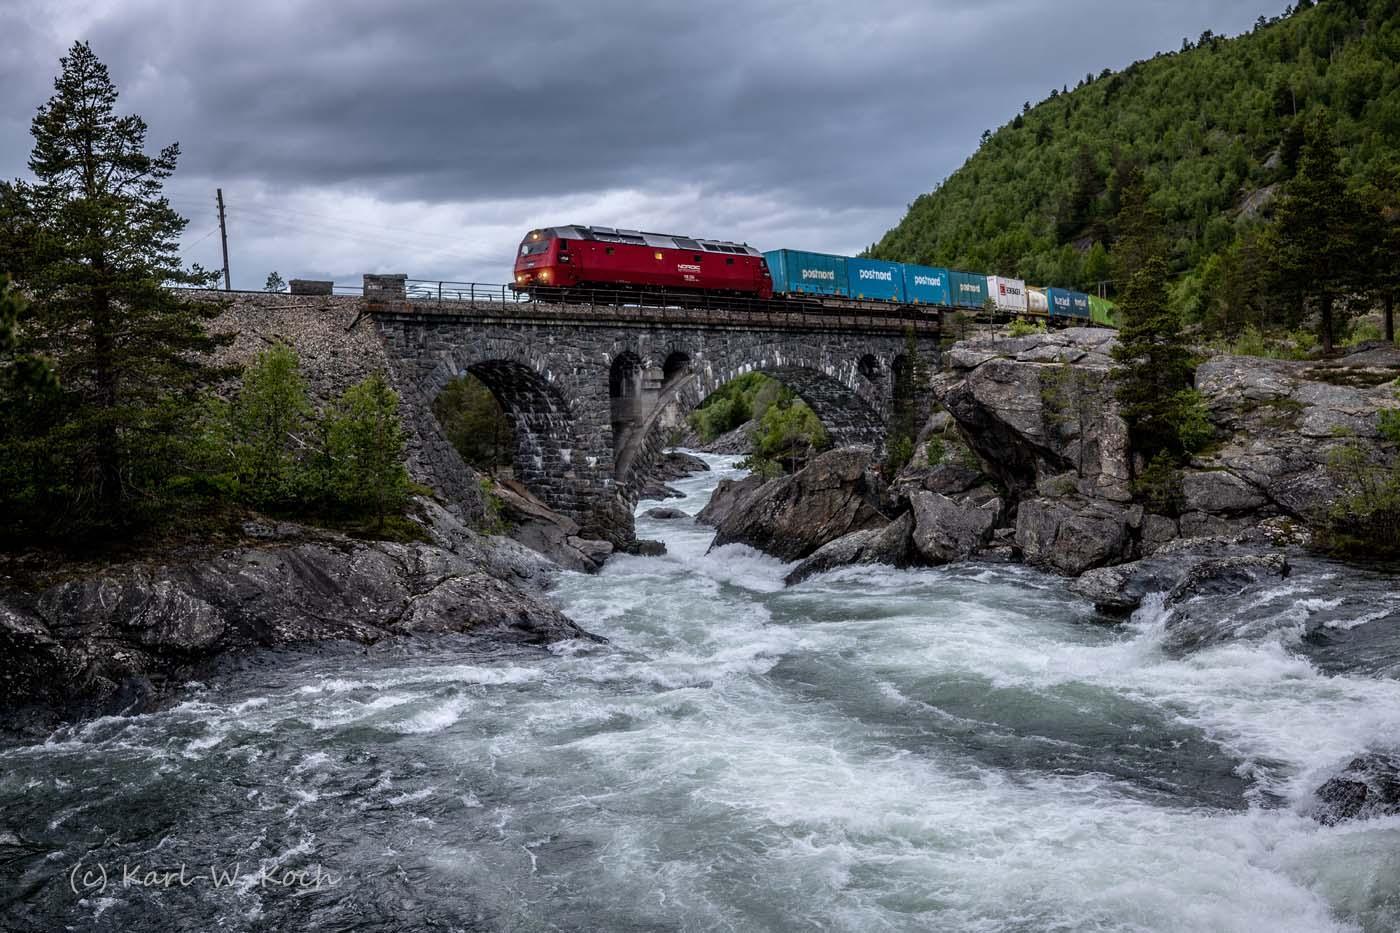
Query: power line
[[425, 241]]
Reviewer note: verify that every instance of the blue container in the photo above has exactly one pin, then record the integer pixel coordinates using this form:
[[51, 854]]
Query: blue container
[[796, 272], [874, 279], [969, 289], [1068, 304], [925, 285]]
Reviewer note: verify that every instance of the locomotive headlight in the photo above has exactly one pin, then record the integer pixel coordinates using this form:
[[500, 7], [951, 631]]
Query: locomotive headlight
[[544, 275]]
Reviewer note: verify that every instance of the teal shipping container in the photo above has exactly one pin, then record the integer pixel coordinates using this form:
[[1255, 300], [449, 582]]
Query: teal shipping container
[[925, 285], [1066, 303], [969, 289], [874, 279], [796, 272]]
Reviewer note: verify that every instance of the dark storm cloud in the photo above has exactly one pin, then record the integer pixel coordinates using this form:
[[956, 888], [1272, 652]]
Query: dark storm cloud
[[827, 107]]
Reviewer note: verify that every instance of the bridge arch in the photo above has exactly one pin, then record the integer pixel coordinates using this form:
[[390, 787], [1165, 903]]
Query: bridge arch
[[596, 394], [847, 393]]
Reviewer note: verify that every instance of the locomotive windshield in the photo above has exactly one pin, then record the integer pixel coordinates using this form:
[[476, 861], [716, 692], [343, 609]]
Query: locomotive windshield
[[536, 242]]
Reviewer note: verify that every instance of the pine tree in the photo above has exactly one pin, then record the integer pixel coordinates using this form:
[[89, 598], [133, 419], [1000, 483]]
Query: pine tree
[[1315, 239], [94, 244], [1155, 367], [1382, 233], [274, 283], [19, 371]]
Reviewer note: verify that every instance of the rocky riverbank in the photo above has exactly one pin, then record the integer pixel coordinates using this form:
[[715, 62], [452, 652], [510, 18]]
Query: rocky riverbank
[[1031, 462], [121, 639]]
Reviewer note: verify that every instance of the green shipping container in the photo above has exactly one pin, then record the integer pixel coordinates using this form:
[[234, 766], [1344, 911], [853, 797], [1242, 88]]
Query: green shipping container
[[1102, 311]]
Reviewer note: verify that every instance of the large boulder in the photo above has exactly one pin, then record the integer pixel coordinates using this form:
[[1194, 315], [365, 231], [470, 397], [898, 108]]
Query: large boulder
[[889, 545], [1037, 406], [1071, 534], [1282, 421], [949, 529], [547, 532], [792, 516], [1368, 787], [730, 496]]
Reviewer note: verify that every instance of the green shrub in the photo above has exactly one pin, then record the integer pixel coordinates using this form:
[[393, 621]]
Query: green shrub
[[935, 451], [494, 522], [1023, 328], [762, 466], [268, 426], [1363, 330], [1364, 519], [362, 468], [1191, 420], [1158, 486], [899, 452]]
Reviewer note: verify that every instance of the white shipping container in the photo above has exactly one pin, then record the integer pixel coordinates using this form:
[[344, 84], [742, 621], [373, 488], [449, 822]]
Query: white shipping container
[[1037, 302], [1008, 294]]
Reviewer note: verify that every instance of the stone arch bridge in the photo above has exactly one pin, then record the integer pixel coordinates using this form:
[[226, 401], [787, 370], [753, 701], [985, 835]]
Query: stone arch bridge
[[594, 393]]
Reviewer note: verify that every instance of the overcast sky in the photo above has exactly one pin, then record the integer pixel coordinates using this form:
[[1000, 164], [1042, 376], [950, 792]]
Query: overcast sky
[[426, 136]]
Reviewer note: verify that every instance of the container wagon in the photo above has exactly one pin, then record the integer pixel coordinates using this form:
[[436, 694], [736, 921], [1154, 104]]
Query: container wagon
[[798, 273], [926, 285], [1037, 302], [1102, 311], [1008, 295], [874, 280], [969, 290]]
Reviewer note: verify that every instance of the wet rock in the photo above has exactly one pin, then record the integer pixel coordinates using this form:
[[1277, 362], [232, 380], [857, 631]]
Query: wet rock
[[890, 545], [730, 496], [792, 516], [116, 641], [951, 478], [1037, 406], [736, 442], [644, 547], [1368, 787], [1071, 535], [659, 491], [672, 465], [677, 464], [664, 513], [1190, 568], [1219, 492], [948, 529], [547, 532]]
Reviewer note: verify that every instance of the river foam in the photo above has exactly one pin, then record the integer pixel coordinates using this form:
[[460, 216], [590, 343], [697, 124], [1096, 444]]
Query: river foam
[[963, 748]]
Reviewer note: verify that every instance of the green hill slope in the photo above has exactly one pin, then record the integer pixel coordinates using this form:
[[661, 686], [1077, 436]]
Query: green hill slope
[[1216, 126]]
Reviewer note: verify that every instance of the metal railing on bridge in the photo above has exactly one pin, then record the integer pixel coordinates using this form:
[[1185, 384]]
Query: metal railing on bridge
[[630, 303]]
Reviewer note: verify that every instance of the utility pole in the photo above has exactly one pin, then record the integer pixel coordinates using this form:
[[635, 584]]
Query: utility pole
[[223, 235]]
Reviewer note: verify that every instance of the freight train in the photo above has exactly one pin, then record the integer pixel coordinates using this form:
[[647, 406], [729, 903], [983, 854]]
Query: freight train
[[573, 261]]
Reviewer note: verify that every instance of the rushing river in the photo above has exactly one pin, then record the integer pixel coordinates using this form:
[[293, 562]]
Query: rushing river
[[955, 749]]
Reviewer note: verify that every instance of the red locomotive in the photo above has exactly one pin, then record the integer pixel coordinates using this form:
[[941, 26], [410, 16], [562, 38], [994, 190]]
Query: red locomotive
[[554, 259]]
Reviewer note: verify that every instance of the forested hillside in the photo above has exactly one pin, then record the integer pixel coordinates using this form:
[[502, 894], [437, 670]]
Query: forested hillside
[[1216, 128]]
